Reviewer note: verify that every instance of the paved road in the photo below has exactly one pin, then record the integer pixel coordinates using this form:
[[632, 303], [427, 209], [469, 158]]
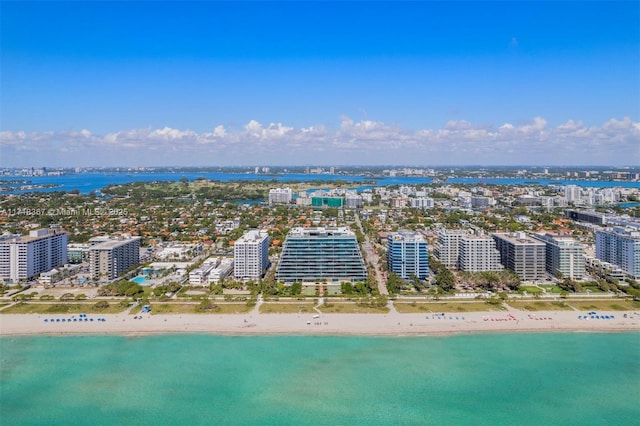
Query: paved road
[[371, 256]]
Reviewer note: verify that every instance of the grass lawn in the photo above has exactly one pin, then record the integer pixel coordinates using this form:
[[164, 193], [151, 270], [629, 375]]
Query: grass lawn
[[287, 308], [605, 305], [62, 308], [531, 289], [417, 308], [351, 308], [135, 310], [536, 305], [181, 308], [552, 289]]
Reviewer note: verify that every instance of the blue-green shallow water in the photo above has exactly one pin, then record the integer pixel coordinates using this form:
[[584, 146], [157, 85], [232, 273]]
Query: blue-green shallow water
[[534, 379]]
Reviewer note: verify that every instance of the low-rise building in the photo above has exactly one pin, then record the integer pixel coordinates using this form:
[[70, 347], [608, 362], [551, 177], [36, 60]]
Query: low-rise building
[[220, 272]]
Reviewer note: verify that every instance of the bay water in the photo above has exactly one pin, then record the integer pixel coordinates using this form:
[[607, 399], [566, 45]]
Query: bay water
[[87, 182], [190, 379]]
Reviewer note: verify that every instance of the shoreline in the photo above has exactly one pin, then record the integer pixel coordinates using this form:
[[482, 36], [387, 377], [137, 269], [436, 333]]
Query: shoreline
[[383, 325]]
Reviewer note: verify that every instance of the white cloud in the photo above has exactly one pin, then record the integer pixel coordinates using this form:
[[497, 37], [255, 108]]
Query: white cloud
[[616, 141]]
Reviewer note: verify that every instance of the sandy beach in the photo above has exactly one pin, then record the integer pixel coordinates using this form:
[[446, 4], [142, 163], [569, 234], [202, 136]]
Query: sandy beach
[[391, 324]]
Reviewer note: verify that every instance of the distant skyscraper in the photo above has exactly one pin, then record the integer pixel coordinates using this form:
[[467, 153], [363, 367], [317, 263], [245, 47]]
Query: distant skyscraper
[[572, 193], [251, 255], [280, 196], [407, 254], [422, 203], [23, 257]]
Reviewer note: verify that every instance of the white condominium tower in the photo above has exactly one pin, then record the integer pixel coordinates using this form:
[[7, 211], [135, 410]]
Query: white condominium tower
[[620, 246], [23, 257], [478, 254], [564, 255], [251, 255], [448, 247], [572, 193], [280, 196]]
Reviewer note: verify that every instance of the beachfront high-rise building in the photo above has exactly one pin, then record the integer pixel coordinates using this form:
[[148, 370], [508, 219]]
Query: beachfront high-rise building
[[280, 196], [407, 254], [620, 246], [315, 254], [522, 254], [448, 247], [23, 257], [478, 253], [564, 255], [251, 255], [110, 257]]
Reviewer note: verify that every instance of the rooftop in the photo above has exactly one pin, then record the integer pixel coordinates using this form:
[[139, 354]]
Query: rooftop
[[518, 238], [321, 232]]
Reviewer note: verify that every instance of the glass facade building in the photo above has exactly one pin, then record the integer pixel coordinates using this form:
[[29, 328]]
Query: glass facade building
[[318, 254], [327, 202], [407, 254]]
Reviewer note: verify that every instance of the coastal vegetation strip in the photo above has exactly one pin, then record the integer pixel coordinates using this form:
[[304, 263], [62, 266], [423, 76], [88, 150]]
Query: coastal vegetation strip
[[101, 307], [605, 305], [352, 308], [287, 308], [537, 305], [417, 307], [206, 307], [215, 190]]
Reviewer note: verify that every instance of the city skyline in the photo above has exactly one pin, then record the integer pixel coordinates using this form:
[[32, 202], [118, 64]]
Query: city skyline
[[362, 83]]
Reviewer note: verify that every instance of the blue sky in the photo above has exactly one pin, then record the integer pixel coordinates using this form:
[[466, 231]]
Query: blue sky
[[230, 83]]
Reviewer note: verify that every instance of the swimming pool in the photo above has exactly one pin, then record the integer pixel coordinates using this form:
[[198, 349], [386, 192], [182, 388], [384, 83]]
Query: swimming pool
[[140, 280]]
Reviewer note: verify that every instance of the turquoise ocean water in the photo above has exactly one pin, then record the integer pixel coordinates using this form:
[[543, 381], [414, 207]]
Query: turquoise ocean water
[[492, 379]]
